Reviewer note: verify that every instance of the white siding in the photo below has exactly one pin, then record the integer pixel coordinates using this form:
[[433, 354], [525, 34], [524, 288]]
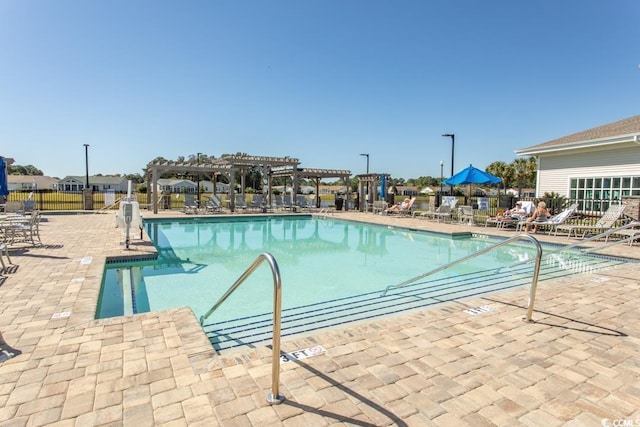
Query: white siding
[[556, 171]]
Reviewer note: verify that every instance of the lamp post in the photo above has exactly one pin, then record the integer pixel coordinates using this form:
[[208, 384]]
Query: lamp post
[[86, 165], [453, 143], [198, 179], [441, 177], [367, 156], [520, 172]]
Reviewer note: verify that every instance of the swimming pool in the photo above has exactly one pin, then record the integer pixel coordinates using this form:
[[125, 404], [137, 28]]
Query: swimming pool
[[333, 271]]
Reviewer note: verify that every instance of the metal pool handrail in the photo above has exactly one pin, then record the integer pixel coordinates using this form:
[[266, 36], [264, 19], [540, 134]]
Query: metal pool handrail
[[274, 397], [605, 233], [534, 280]]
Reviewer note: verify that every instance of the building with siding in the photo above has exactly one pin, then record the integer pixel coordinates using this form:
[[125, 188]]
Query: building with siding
[[31, 183], [72, 184], [594, 167]]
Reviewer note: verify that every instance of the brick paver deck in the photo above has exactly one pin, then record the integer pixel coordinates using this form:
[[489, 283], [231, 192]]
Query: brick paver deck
[[576, 365]]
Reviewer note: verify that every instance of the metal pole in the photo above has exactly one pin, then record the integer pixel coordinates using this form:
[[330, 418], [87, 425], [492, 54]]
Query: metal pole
[[441, 177], [198, 179], [453, 143], [86, 164]]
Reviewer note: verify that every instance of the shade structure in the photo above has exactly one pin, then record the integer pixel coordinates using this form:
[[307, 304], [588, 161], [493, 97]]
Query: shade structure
[[472, 175]]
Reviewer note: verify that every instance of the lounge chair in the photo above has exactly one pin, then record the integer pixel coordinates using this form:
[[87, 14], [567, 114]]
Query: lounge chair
[[402, 209], [552, 222], [277, 202], [240, 202], [442, 212], [606, 221], [190, 204], [466, 214], [379, 206], [407, 210], [513, 216], [214, 204]]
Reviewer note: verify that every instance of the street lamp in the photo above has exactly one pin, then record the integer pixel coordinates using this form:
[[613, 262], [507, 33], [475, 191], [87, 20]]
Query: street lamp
[[453, 143], [198, 178], [520, 172], [86, 164], [367, 156], [441, 177]]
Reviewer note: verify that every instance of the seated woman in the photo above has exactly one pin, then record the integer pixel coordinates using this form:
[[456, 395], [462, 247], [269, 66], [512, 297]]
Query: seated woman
[[541, 214], [399, 207]]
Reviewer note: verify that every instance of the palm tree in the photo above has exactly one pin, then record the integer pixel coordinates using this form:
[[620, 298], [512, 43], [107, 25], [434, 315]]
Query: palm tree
[[502, 171]]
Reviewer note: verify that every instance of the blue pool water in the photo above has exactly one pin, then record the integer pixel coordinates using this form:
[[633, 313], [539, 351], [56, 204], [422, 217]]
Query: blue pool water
[[322, 261]]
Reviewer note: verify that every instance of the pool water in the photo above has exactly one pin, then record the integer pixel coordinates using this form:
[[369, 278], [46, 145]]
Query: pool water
[[321, 261], [318, 259]]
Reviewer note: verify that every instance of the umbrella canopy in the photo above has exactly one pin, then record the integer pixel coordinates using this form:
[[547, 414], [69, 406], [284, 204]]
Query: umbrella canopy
[[4, 190], [472, 175]]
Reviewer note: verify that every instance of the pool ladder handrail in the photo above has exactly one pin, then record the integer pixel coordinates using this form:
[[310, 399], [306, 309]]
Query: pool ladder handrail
[[606, 234], [579, 244], [274, 397], [534, 280]]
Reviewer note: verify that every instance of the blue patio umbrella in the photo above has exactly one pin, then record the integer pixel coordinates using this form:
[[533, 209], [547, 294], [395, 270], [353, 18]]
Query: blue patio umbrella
[[4, 190], [472, 175]]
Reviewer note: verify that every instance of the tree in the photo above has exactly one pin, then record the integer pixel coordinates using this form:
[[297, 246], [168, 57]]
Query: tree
[[24, 170], [502, 171]]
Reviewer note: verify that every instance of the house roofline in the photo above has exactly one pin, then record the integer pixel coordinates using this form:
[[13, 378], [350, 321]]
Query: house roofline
[[600, 142]]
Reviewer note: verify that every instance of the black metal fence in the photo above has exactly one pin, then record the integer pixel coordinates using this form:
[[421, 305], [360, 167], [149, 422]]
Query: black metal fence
[[46, 200]]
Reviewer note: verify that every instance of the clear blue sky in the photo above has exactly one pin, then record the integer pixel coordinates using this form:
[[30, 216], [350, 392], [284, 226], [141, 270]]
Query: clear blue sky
[[322, 81]]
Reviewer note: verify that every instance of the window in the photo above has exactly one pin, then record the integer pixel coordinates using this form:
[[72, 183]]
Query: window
[[598, 192]]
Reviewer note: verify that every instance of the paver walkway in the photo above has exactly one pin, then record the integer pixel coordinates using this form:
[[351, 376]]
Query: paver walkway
[[577, 365]]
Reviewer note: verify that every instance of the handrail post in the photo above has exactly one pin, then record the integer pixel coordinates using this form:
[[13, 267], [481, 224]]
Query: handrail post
[[534, 281], [274, 397]]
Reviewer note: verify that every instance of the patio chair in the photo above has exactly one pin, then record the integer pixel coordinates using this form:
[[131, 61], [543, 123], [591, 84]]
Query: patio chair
[[4, 248], [379, 206], [442, 212], [214, 204], [552, 222], [27, 230], [240, 202], [277, 202], [606, 221], [190, 205], [466, 214]]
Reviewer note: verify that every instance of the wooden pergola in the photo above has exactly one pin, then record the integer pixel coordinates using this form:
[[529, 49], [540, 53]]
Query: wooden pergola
[[316, 175], [230, 165], [367, 186]]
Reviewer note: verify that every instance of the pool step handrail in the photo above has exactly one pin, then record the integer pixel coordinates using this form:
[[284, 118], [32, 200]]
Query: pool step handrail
[[604, 234], [534, 280], [274, 397]]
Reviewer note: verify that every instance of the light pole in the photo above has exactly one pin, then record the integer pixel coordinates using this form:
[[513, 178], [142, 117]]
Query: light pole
[[198, 179], [367, 156], [441, 177], [520, 172], [453, 143], [86, 165]]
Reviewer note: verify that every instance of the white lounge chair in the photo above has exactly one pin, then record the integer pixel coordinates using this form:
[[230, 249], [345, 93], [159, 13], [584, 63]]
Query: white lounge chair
[[606, 221], [552, 222]]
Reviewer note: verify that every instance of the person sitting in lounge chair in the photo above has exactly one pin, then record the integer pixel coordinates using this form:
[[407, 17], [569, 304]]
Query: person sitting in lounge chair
[[541, 214], [399, 207], [516, 213]]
